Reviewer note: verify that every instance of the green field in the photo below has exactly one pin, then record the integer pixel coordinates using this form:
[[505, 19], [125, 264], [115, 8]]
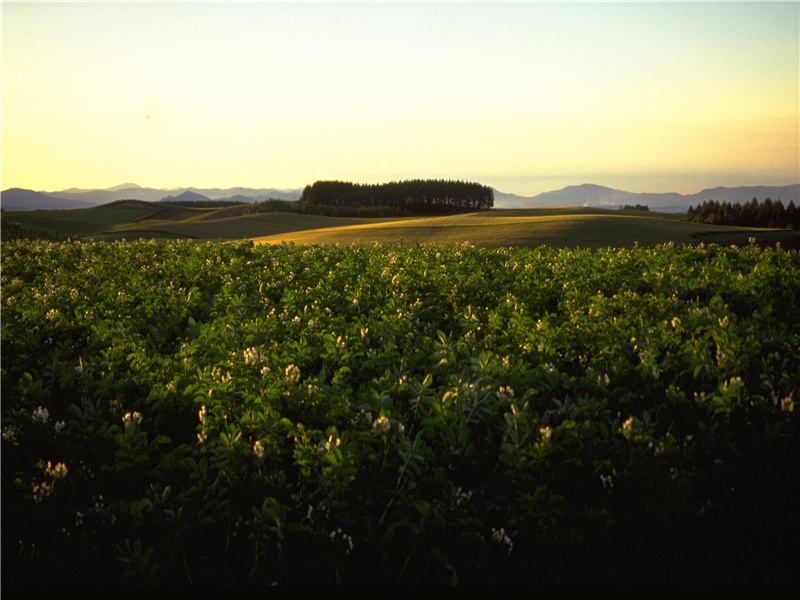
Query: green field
[[559, 227], [179, 414]]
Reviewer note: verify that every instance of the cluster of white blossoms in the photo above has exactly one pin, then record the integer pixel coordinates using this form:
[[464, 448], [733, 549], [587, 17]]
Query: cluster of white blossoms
[[253, 357], [627, 427], [41, 491], [45, 488], [41, 415], [57, 471], [292, 373], [131, 418], [219, 376], [462, 496], [258, 449], [381, 423], [347, 539], [330, 444], [607, 481], [546, 432], [733, 382], [202, 414], [500, 536], [9, 435], [505, 392]]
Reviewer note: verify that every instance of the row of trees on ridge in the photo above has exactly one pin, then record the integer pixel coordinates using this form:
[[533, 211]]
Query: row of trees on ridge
[[416, 196], [767, 214]]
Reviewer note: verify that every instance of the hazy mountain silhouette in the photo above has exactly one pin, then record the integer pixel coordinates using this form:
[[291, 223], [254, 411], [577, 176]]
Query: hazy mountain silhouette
[[593, 195], [187, 197], [586, 194], [18, 199]]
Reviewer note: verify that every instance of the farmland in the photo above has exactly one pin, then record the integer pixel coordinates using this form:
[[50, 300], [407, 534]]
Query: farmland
[[558, 227], [237, 413]]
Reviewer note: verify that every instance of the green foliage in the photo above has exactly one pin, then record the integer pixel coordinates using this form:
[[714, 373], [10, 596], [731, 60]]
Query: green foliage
[[17, 230], [222, 413]]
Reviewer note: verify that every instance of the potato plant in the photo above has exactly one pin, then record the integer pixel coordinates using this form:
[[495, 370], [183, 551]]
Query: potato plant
[[221, 413]]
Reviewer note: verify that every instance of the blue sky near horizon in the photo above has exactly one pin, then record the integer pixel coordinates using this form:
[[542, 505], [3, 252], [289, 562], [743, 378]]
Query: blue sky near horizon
[[527, 96]]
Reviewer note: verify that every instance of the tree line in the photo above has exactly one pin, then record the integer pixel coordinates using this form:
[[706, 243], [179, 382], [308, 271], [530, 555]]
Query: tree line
[[416, 196], [767, 214], [202, 203], [325, 210]]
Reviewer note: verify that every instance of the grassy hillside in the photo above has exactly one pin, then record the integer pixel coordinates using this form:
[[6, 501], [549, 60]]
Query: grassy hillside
[[557, 227], [82, 221]]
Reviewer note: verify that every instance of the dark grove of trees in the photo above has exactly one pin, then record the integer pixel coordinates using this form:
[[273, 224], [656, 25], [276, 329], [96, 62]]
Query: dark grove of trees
[[325, 210], [635, 207], [417, 196], [767, 214]]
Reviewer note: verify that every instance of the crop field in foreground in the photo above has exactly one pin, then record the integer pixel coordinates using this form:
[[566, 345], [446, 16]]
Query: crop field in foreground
[[225, 413]]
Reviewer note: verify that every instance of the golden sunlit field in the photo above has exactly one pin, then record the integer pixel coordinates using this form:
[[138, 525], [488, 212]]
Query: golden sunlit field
[[559, 227]]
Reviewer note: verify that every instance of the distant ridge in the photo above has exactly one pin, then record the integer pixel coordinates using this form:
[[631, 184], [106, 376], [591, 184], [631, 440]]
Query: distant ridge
[[18, 199], [587, 194], [187, 197], [592, 195]]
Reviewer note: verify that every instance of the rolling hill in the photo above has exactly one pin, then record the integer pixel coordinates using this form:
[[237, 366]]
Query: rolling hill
[[531, 227]]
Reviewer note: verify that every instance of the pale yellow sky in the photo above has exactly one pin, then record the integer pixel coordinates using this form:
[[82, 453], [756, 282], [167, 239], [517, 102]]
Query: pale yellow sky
[[526, 97]]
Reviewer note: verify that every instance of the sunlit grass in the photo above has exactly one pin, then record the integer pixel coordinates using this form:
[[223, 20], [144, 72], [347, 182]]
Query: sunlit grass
[[559, 227]]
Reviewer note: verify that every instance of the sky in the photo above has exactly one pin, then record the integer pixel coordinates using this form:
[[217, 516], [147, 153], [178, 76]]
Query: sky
[[526, 97]]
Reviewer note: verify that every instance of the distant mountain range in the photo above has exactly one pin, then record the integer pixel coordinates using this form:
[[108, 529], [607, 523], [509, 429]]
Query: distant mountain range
[[590, 195], [599, 196], [17, 199]]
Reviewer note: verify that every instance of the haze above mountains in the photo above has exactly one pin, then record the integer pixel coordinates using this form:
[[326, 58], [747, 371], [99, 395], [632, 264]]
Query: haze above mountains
[[589, 195]]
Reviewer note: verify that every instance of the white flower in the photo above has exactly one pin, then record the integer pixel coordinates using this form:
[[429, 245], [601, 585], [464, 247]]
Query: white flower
[[9, 435], [627, 427], [258, 449], [503, 393], [41, 491], [41, 415], [130, 418], [381, 423], [253, 357], [292, 373], [546, 432], [331, 443], [59, 471], [500, 536]]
